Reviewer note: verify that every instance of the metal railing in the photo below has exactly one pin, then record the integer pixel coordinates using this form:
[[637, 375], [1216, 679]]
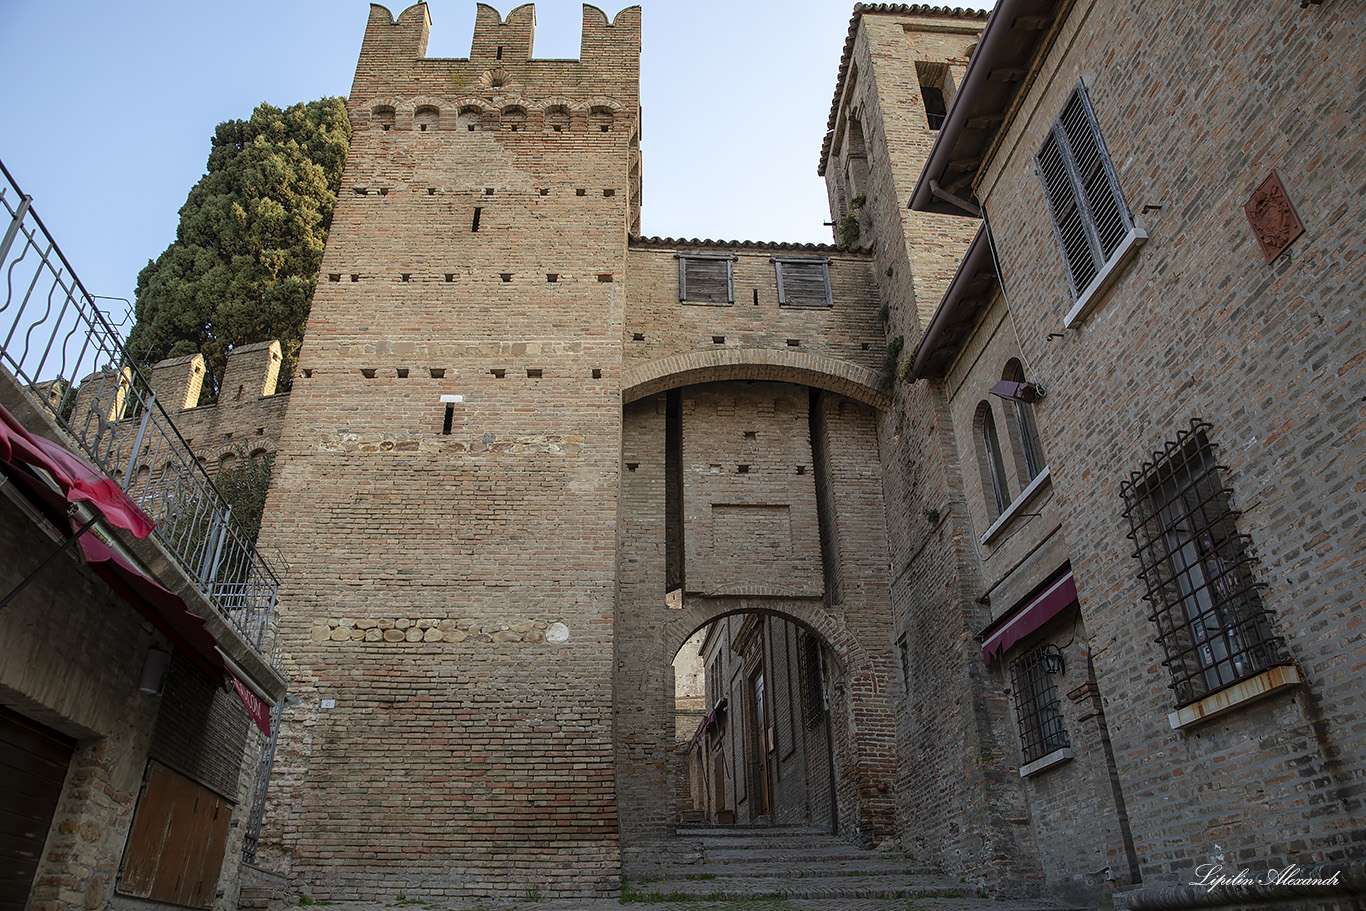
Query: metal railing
[[55, 341]]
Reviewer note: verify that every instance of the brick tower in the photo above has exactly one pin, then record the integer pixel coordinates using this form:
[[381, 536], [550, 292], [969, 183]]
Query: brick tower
[[446, 497]]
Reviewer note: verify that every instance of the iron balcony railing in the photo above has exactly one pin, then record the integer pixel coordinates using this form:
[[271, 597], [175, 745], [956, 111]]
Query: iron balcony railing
[[55, 341]]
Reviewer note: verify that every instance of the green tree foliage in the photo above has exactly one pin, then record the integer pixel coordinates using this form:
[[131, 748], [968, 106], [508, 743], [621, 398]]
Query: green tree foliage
[[244, 484], [245, 259]]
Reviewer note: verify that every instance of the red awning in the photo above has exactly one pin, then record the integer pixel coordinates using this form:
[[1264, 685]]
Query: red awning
[[27, 458], [1028, 616], [717, 713]]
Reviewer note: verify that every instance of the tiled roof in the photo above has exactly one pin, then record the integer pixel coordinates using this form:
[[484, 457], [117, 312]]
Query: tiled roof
[[905, 9], [671, 242]]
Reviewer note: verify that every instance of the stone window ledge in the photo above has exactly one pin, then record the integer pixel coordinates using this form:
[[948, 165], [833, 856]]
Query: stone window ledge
[[1016, 505], [1091, 295], [1047, 761], [1264, 684]]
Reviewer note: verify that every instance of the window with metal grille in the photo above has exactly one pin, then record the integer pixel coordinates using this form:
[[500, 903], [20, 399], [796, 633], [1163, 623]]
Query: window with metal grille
[[1037, 708], [705, 278], [1197, 569], [803, 282], [1090, 218], [811, 672]]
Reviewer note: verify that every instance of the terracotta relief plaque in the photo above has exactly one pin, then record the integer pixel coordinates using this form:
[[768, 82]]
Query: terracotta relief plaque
[[1273, 218]]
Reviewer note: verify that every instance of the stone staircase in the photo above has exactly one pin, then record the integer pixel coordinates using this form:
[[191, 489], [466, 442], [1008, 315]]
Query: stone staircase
[[795, 863]]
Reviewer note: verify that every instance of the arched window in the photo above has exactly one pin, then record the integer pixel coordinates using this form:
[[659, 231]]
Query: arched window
[[427, 118], [470, 118], [600, 118], [383, 117], [989, 459], [1023, 429], [557, 118], [514, 118]]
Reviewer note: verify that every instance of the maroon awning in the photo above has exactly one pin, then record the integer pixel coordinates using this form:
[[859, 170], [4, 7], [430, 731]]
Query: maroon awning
[[1026, 617], [28, 458], [715, 715]]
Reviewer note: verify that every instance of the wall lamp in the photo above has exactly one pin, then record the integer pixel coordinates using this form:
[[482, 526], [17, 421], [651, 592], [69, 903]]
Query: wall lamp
[[154, 672], [1053, 662], [1028, 393]]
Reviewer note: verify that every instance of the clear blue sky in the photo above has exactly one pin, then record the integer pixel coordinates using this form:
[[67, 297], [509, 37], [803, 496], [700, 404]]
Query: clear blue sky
[[110, 106]]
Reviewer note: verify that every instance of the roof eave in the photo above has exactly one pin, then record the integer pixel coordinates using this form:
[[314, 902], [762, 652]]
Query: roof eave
[[976, 261], [1006, 26]]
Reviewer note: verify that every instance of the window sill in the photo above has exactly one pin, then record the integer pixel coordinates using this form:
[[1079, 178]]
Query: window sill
[[1016, 505], [1047, 761], [1264, 684], [1106, 277], [688, 303]]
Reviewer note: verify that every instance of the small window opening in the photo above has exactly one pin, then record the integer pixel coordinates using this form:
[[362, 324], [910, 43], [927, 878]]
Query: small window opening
[[355, 276], [552, 277], [437, 373], [488, 191], [801, 469], [632, 466], [368, 372], [609, 192], [402, 373], [308, 373], [450, 276], [605, 277], [718, 339], [422, 127], [545, 191], [334, 276], [637, 336], [505, 276], [597, 373], [383, 191], [450, 417], [756, 297], [933, 97], [406, 276], [751, 435], [499, 55], [580, 192], [534, 373], [498, 372], [360, 191], [475, 226], [864, 346], [431, 191], [742, 469], [794, 343]]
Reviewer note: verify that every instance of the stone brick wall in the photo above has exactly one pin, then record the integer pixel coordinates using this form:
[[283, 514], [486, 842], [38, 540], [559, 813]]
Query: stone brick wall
[[1199, 325], [470, 567]]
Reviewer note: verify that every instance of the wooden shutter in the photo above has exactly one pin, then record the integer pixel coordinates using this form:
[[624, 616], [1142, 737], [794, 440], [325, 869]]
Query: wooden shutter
[[1090, 218], [33, 764], [803, 283], [175, 849], [705, 279]]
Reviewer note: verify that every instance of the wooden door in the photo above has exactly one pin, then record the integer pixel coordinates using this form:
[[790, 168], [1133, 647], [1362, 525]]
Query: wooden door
[[33, 764]]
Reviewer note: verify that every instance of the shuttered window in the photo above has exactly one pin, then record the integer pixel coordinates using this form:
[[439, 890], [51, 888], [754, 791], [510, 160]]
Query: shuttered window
[[803, 282], [1090, 218], [705, 278]]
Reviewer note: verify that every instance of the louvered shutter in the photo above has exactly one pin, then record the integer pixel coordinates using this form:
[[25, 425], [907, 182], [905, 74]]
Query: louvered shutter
[[705, 279], [803, 283], [1089, 215]]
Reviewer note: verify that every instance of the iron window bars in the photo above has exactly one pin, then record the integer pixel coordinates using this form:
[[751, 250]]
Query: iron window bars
[[1037, 707], [706, 278], [1198, 571], [1090, 219]]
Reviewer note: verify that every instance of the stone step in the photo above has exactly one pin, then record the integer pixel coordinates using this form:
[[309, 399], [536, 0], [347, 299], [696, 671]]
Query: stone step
[[706, 831], [830, 886], [851, 866]]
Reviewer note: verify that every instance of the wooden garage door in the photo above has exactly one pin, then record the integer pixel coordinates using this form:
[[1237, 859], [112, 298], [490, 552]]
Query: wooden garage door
[[175, 848], [33, 764]]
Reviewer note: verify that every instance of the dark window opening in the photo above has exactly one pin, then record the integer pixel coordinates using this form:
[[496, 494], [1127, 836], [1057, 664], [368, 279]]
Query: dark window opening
[[477, 212], [446, 424], [934, 105], [1038, 710]]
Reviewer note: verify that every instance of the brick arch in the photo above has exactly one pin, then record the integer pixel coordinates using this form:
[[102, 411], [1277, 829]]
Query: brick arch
[[772, 364], [698, 612]]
